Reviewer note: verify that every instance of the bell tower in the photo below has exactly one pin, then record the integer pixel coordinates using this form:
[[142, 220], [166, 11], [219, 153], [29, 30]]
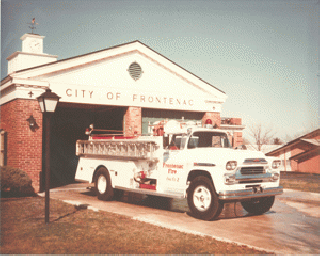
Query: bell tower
[[31, 55]]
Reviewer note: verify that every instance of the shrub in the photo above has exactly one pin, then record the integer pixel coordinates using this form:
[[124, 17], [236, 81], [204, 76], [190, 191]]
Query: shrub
[[15, 182]]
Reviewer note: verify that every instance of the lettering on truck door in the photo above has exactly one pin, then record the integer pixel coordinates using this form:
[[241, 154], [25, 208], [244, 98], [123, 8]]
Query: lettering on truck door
[[174, 178]]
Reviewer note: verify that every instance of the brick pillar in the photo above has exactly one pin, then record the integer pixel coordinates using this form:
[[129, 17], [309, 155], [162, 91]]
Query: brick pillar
[[215, 117], [237, 139], [24, 146], [132, 121], [230, 138]]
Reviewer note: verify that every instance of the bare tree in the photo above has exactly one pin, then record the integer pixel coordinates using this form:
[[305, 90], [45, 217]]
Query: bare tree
[[260, 135]]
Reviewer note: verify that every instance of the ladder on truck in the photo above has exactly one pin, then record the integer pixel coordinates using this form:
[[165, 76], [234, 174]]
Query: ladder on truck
[[128, 149]]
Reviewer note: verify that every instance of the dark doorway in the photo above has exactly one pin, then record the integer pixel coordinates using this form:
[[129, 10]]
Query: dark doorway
[[67, 126]]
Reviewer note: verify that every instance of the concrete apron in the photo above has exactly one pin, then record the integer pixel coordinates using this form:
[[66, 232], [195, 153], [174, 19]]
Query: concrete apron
[[234, 225]]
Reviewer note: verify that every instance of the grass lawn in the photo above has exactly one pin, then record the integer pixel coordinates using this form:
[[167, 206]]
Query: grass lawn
[[85, 231]]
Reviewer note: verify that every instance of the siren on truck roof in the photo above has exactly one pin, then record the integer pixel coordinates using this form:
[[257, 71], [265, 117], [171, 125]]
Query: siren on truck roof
[[208, 124]]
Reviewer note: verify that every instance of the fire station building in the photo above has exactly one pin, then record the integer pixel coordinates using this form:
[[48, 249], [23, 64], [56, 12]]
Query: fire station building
[[124, 88]]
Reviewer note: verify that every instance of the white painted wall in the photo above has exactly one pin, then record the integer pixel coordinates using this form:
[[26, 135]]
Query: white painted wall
[[109, 82], [21, 60], [103, 78]]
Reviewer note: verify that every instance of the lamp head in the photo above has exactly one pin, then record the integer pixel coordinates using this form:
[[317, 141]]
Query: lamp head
[[48, 101], [31, 121]]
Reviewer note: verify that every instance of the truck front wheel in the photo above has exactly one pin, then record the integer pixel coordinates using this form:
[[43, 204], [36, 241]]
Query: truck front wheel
[[102, 184], [259, 206], [202, 199]]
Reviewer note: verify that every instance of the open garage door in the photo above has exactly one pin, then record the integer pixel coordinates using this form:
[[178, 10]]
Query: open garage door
[[67, 126], [153, 115]]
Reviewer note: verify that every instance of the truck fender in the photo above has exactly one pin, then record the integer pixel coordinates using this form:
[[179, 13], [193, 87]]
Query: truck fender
[[196, 173], [95, 173]]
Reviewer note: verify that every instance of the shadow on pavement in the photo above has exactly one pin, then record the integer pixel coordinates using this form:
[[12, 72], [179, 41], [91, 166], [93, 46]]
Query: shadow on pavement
[[230, 210]]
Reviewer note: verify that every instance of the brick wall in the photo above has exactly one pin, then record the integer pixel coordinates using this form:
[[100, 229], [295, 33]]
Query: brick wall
[[294, 164], [310, 164], [24, 146], [215, 117], [132, 121], [236, 121], [237, 139]]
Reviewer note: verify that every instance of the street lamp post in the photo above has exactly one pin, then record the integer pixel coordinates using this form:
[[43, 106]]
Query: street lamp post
[[48, 102]]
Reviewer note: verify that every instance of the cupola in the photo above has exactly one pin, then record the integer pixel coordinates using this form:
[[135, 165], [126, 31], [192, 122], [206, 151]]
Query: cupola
[[31, 55]]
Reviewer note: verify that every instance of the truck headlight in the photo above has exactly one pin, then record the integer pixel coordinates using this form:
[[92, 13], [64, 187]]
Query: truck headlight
[[276, 176], [231, 165], [276, 164]]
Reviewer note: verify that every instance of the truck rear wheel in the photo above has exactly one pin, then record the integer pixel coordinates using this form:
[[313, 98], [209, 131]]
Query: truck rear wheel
[[202, 199], [102, 185], [259, 206]]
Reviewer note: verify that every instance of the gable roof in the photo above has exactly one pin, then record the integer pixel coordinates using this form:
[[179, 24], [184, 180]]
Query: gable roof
[[313, 142], [305, 138], [96, 55], [307, 154]]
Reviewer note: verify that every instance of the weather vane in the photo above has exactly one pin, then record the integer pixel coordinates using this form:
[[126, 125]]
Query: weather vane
[[33, 24]]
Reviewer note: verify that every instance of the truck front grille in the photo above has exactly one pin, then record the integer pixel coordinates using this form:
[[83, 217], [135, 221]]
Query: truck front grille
[[252, 170], [255, 161]]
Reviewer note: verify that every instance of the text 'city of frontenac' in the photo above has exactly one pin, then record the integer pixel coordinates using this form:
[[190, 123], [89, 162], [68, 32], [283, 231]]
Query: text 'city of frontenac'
[[134, 97]]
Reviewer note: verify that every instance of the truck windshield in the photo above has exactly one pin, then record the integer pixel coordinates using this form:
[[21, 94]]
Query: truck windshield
[[208, 140], [177, 141]]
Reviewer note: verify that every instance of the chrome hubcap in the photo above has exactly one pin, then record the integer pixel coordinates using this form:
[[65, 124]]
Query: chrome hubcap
[[202, 198], [102, 184]]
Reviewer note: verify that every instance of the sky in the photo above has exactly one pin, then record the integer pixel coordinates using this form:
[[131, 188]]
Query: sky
[[262, 53]]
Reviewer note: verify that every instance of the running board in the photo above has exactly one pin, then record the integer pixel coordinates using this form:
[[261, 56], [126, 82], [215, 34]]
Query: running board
[[150, 192]]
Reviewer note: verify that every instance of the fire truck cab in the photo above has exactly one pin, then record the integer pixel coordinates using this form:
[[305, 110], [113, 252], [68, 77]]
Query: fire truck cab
[[180, 160]]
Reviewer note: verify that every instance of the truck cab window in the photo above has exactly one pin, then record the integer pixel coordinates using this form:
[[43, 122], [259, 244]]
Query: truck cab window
[[208, 140]]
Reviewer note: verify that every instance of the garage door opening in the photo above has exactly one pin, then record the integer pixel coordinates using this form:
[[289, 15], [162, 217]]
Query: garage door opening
[[68, 125], [153, 115]]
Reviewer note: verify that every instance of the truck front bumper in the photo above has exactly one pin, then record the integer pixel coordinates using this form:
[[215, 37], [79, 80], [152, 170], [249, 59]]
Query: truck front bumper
[[249, 193]]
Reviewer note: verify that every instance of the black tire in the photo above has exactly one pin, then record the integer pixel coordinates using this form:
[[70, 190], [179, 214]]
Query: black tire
[[200, 189], [118, 194], [102, 185], [259, 206]]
